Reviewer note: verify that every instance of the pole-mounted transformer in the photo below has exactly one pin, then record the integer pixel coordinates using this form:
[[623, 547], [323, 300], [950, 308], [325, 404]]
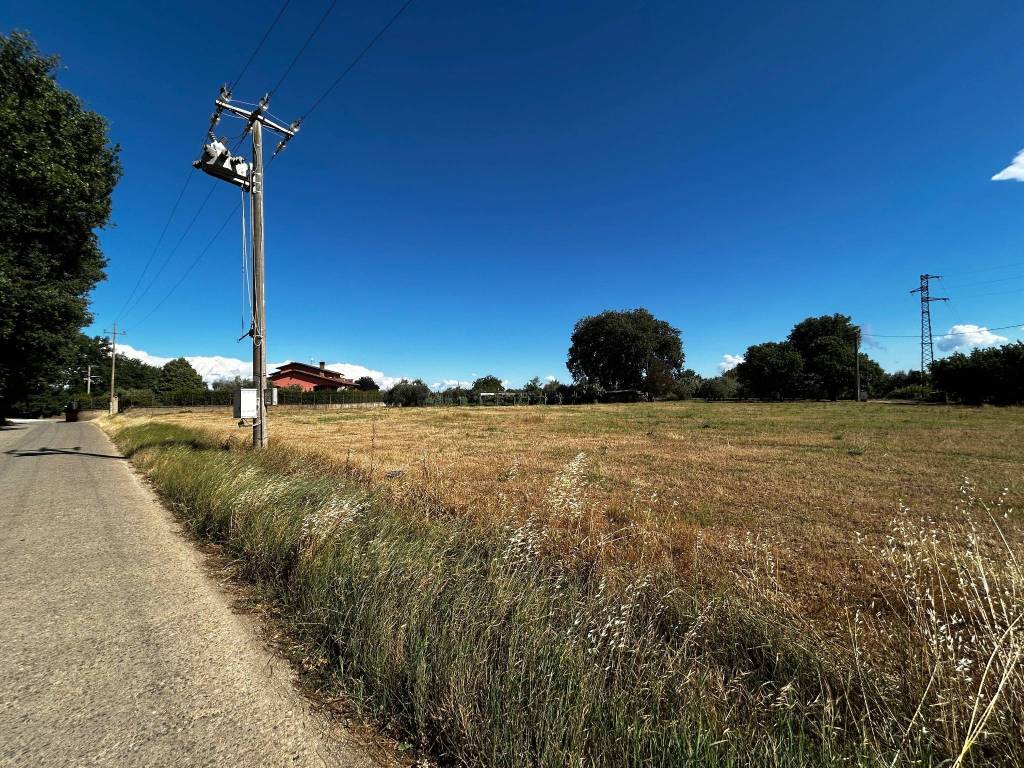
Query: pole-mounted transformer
[[218, 161]]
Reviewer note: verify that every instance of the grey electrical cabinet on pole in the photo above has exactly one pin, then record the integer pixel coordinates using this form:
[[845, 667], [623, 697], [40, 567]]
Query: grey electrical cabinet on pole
[[245, 401]]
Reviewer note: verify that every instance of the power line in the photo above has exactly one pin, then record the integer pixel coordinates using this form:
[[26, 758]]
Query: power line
[[191, 266], [945, 335], [357, 59], [259, 45], [992, 293], [304, 45], [167, 259], [988, 282], [156, 247], [978, 270], [188, 179]]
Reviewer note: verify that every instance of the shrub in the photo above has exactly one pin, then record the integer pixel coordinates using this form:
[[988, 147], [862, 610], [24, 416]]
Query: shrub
[[408, 393], [718, 388], [910, 392]]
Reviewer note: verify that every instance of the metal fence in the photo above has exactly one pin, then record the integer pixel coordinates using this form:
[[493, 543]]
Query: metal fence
[[221, 397]]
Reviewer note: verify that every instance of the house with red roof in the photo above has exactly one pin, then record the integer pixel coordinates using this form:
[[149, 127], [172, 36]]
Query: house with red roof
[[310, 378]]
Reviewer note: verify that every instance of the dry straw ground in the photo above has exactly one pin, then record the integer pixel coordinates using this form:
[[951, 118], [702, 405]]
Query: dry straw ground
[[807, 484]]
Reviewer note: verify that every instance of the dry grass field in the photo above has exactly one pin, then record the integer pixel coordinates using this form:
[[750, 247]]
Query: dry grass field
[[805, 487], [679, 583]]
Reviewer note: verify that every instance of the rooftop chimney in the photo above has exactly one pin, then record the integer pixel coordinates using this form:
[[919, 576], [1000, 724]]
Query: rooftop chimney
[[322, 364]]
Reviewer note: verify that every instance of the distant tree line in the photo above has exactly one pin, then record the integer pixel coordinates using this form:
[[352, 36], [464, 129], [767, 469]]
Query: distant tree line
[[993, 375], [137, 382], [622, 356]]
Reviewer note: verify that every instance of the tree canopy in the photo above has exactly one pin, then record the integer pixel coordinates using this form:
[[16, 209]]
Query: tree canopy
[[817, 360], [366, 384], [770, 371], [408, 393], [57, 173], [95, 351], [489, 383], [231, 384], [178, 375], [631, 349], [827, 345], [992, 375]]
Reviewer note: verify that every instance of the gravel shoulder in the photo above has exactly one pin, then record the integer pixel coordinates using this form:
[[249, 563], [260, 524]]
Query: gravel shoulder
[[118, 647]]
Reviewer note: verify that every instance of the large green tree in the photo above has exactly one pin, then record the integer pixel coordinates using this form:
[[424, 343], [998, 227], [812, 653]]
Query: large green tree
[[178, 375], [408, 393], [488, 383], [826, 344], [57, 173], [770, 371], [367, 384], [631, 349]]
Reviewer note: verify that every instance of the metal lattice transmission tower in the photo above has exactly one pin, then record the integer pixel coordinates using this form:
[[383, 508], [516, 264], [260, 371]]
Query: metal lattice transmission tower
[[927, 350]]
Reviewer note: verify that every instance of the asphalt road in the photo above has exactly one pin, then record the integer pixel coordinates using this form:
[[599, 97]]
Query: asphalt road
[[116, 645]]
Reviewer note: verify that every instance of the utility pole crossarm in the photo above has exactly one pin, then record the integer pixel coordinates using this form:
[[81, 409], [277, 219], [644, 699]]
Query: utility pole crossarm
[[257, 115]]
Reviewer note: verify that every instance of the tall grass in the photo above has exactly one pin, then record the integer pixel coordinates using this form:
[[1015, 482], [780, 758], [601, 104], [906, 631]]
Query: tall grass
[[502, 646]]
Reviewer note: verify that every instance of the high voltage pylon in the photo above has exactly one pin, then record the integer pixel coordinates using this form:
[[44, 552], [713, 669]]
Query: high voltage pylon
[[218, 161], [927, 350]]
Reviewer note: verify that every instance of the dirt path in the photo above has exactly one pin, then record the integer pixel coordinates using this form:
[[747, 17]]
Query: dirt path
[[117, 647]]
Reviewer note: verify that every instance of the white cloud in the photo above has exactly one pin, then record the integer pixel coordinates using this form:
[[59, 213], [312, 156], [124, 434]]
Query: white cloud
[[354, 371], [729, 362], [969, 336], [210, 367], [138, 354], [214, 367], [1014, 171], [549, 377], [444, 384]]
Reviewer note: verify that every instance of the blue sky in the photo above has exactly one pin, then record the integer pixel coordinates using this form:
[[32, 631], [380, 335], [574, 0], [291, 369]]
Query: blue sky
[[491, 172]]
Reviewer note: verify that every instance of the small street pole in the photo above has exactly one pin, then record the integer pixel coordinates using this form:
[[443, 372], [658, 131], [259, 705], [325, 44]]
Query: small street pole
[[88, 381], [113, 366], [856, 355]]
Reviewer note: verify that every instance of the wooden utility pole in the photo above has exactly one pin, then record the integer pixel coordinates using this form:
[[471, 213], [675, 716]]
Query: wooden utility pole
[[113, 366], [217, 161], [856, 355], [259, 324]]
